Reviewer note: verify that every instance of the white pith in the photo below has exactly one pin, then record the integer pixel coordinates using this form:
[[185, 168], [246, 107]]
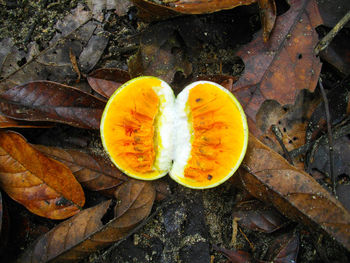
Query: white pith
[[182, 138], [165, 129]]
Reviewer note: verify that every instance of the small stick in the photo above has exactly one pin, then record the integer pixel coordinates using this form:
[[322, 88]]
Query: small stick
[[246, 238], [327, 39], [278, 134], [330, 136]]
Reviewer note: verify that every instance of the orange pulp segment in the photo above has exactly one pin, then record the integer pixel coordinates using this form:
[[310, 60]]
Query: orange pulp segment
[[128, 127], [219, 136]]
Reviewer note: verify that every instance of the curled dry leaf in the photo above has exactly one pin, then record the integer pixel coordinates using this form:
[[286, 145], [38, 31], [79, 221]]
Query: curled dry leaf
[[107, 80], [93, 172], [50, 101], [88, 231], [270, 178], [286, 64], [44, 186], [258, 217]]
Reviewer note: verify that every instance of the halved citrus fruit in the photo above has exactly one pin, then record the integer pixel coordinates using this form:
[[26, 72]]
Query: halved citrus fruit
[[199, 138]]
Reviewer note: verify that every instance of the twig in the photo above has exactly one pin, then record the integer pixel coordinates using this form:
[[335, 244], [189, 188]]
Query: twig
[[327, 39], [330, 137], [246, 238], [278, 134]]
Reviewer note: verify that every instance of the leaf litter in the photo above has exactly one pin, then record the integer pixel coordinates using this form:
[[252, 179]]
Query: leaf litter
[[127, 191]]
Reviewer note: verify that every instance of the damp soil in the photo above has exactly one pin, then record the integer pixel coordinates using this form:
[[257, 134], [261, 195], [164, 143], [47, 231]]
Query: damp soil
[[185, 229]]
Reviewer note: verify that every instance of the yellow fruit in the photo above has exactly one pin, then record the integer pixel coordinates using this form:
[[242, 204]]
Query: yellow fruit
[[199, 139]]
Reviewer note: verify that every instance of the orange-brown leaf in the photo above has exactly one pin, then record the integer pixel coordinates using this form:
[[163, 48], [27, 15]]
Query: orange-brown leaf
[[84, 233], [279, 69], [270, 178], [93, 172], [10, 123], [150, 11], [44, 186]]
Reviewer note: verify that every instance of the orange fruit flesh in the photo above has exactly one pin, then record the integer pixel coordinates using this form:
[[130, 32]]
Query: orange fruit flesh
[[217, 136], [131, 128]]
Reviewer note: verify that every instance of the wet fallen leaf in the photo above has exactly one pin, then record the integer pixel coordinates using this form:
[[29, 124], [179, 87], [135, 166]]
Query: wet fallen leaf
[[44, 186], [270, 178], [279, 69], [50, 101], [107, 80], [258, 217], [94, 228], [160, 54], [234, 256], [284, 249], [93, 172], [86, 38]]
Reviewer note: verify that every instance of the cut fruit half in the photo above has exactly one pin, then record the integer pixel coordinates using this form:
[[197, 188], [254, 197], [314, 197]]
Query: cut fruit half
[[199, 139]]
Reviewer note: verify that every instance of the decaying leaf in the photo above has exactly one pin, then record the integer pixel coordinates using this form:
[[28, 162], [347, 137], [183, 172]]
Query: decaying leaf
[[50, 101], [270, 178], [44, 186], [161, 54], [77, 31], [279, 69], [284, 249], [93, 172], [258, 217], [88, 231], [107, 80], [290, 120]]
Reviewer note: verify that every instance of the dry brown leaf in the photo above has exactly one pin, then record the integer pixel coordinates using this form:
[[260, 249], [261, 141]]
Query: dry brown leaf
[[51, 101], [279, 69], [44, 186], [270, 178], [93, 172], [86, 232]]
